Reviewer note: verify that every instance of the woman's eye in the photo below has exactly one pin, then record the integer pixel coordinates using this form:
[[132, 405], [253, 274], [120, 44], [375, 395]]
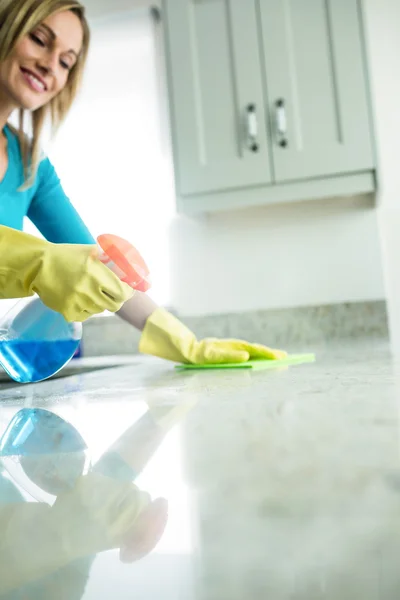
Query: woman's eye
[[65, 65], [37, 40]]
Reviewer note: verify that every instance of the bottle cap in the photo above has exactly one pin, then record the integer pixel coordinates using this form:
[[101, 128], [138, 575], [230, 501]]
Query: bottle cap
[[126, 261]]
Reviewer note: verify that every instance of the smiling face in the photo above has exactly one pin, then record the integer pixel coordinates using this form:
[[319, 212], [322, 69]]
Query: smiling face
[[38, 68]]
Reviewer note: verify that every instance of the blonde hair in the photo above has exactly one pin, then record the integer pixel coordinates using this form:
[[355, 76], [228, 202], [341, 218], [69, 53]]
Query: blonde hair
[[17, 19]]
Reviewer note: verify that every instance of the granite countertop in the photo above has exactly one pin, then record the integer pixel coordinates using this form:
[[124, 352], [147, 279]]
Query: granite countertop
[[280, 484]]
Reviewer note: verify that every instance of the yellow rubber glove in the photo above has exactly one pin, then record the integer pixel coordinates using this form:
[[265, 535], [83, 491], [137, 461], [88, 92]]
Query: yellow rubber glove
[[166, 337], [68, 278]]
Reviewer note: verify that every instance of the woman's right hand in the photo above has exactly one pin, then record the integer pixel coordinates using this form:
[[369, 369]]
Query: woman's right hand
[[68, 278], [74, 282]]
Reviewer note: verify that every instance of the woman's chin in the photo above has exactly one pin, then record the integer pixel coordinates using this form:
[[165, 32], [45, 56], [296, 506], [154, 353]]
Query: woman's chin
[[32, 106], [30, 102]]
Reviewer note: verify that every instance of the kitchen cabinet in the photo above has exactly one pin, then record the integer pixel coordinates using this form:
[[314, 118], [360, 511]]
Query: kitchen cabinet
[[268, 101], [218, 96], [316, 86]]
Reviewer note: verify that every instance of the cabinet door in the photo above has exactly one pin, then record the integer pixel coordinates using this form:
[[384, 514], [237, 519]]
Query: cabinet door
[[317, 87], [216, 95]]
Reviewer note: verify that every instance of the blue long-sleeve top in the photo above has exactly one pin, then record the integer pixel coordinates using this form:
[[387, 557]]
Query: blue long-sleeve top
[[45, 203]]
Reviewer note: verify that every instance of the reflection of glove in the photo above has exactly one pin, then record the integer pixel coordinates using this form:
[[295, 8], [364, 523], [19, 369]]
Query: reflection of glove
[[68, 277], [97, 515], [168, 414], [166, 337]]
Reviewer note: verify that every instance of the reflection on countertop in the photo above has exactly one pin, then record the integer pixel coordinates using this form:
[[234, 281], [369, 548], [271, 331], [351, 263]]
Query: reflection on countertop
[[274, 484]]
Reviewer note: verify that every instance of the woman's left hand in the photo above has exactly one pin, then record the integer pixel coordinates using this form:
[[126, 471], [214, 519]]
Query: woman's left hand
[[166, 337]]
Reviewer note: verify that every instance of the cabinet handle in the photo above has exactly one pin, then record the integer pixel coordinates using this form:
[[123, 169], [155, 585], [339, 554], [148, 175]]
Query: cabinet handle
[[281, 123], [252, 128]]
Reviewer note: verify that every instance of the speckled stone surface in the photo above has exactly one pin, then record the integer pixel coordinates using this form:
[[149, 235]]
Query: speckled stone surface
[[281, 484], [294, 329]]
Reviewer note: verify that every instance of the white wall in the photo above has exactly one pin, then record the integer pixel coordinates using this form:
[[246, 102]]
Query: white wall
[[310, 253], [382, 28], [280, 256]]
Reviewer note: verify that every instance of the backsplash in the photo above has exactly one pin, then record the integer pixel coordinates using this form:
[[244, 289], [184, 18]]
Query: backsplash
[[294, 329]]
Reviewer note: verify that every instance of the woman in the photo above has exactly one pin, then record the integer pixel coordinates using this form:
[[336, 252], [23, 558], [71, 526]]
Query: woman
[[43, 49]]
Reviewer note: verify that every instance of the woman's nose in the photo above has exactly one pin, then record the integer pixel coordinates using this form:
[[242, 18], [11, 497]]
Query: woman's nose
[[48, 65]]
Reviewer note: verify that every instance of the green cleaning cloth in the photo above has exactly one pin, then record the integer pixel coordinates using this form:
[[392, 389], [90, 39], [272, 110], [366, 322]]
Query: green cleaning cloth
[[293, 359]]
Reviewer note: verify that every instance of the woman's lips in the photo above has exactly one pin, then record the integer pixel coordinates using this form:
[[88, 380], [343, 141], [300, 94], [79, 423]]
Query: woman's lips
[[34, 82]]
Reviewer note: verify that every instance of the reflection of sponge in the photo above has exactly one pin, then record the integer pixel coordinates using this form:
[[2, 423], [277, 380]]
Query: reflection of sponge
[[293, 359]]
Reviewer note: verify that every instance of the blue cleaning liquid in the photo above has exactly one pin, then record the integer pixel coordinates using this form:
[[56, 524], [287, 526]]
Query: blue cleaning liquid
[[31, 361]]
